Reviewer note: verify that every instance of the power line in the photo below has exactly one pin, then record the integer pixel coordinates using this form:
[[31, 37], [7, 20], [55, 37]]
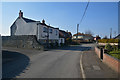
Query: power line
[[84, 12], [82, 19]]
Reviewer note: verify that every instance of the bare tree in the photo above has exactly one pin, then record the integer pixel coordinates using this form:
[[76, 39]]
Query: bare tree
[[114, 33], [105, 37], [89, 32]]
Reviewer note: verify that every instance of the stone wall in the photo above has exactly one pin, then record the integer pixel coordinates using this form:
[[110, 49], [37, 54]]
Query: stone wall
[[24, 41]]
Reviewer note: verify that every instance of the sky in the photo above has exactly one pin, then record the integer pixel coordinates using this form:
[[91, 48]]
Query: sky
[[99, 18]]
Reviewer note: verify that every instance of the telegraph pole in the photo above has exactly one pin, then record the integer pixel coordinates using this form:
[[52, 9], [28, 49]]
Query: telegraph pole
[[110, 33], [77, 32]]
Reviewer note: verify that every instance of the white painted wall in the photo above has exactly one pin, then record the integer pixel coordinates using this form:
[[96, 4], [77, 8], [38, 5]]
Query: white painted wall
[[107, 43], [43, 35], [73, 37], [53, 35], [79, 37], [83, 37], [61, 40], [24, 28]]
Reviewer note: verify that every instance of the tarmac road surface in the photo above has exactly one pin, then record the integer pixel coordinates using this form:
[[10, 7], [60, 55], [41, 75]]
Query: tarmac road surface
[[64, 63]]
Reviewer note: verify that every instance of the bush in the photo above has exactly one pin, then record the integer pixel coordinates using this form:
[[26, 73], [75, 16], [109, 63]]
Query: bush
[[115, 52], [68, 41], [108, 47], [108, 40], [51, 45], [61, 44], [115, 48], [56, 44], [74, 42]]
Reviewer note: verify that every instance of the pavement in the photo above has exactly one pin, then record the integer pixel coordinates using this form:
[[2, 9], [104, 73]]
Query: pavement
[[75, 61]]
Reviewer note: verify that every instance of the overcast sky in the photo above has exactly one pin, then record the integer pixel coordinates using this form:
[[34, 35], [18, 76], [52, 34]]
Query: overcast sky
[[99, 18]]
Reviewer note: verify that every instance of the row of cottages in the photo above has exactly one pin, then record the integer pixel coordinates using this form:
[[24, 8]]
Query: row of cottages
[[83, 37], [64, 35], [44, 33], [97, 38]]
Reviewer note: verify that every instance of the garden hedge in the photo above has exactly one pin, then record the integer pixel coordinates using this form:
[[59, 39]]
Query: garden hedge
[[108, 40]]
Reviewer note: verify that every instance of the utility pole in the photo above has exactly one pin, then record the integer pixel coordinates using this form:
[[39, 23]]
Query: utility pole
[[77, 32], [110, 33]]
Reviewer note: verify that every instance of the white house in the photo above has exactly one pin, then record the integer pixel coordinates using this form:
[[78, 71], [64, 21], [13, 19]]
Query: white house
[[43, 32], [81, 36]]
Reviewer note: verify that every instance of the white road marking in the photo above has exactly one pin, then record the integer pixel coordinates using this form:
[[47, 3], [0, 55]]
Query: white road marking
[[81, 66]]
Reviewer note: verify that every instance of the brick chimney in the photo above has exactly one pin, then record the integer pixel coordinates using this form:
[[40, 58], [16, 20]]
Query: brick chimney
[[43, 21], [20, 14]]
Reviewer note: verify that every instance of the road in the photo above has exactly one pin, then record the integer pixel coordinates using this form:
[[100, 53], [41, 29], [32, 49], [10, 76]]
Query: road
[[78, 61]]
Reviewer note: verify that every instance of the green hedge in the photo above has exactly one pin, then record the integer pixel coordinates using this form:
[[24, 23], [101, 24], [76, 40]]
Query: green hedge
[[115, 55], [115, 52], [108, 40]]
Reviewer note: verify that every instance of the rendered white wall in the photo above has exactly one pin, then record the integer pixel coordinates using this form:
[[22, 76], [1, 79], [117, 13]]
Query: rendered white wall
[[43, 35], [53, 34], [24, 28], [61, 40]]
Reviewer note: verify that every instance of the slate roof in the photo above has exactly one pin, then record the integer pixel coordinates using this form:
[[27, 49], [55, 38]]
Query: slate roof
[[82, 34], [48, 26], [79, 34], [61, 35], [28, 20]]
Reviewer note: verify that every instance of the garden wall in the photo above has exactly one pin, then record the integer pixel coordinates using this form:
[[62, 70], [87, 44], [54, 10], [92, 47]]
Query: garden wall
[[24, 41], [97, 50], [107, 43], [109, 60]]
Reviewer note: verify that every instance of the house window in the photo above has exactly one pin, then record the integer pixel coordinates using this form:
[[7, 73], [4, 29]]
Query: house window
[[56, 32], [50, 30], [44, 29]]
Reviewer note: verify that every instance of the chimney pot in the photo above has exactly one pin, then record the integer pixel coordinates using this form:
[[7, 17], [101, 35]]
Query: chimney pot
[[20, 14], [43, 21]]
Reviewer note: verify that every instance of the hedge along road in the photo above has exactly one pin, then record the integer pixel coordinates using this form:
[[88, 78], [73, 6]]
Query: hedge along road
[[65, 63]]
